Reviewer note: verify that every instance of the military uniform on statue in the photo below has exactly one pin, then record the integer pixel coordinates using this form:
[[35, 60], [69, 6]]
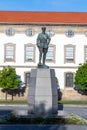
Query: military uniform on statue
[[43, 41]]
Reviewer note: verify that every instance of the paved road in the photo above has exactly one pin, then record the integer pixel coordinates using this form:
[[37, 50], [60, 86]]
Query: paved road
[[76, 109], [43, 127]]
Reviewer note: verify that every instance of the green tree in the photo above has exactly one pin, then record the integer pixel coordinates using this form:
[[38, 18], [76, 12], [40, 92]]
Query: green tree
[[81, 77], [9, 79]]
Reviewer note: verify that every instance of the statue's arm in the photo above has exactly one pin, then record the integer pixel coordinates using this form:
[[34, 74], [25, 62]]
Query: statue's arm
[[38, 41], [48, 39]]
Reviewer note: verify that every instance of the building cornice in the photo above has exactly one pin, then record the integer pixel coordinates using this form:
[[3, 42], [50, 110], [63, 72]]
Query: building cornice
[[24, 66]]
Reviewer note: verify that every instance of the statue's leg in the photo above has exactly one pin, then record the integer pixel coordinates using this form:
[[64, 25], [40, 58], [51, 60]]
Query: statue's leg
[[40, 55], [44, 55]]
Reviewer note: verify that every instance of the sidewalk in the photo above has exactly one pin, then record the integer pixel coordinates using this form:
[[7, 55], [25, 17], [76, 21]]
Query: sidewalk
[[72, 105]]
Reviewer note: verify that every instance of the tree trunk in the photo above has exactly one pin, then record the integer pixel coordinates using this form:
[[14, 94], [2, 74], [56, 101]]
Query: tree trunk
[[6, 95], [12, 96]]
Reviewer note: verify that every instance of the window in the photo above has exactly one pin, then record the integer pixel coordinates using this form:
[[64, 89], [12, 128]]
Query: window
[[29, 32], [69, 33], [27, 78], [10, 52], [51, 54], [9, 32], [69, 79], [50, 33], [29, 53], [69, 53], [85, 52], [85, 33]]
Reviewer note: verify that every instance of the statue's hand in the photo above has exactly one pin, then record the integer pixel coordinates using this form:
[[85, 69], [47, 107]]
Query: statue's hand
[[38, 44]]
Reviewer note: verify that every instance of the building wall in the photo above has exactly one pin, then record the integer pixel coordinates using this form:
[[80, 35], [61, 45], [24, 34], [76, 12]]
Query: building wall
[[59, 39]]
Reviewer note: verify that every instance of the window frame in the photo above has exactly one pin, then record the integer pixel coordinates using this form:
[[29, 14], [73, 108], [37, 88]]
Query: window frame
[[14, 50], [50, 32], [85, 47], [29, 45], [29, 32], [27, 77], [65, 74], [68, 60], [10, 31], [54, 53], [70, 33]]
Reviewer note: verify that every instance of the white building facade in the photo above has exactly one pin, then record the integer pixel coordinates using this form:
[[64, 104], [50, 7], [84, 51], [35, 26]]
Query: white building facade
[[67, 49]]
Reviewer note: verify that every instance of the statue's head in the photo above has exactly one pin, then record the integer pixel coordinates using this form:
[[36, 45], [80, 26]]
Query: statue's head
[[43, 28]]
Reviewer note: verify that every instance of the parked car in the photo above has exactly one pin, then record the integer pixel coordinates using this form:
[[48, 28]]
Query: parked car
[[83, 92], [22, 84]]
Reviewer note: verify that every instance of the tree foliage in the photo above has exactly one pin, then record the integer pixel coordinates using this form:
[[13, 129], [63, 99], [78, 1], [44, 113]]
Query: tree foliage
[[9, 78], [81, 77]]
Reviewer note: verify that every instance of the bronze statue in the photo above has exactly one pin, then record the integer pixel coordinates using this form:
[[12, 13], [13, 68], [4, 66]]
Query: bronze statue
[[43, 41]]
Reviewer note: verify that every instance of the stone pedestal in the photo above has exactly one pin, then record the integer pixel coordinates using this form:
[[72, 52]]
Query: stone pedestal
[[42, 96]]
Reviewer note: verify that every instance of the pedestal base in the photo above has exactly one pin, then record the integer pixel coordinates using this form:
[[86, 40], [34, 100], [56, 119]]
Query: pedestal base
[[43, 66], [42, 97]]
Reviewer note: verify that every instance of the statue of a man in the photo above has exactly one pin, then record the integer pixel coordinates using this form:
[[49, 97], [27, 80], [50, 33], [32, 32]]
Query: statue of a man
[[43, 41]]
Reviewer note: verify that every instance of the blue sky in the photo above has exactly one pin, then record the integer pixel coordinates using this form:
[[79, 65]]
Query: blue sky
[[44, 5]]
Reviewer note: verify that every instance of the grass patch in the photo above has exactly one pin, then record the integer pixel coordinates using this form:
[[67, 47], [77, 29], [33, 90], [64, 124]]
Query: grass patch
[[59, 102], [73, 102], [13, 102], [73, 119]]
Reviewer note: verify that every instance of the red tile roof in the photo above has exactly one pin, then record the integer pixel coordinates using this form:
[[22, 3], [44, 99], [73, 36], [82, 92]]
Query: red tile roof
[[43, 17]]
